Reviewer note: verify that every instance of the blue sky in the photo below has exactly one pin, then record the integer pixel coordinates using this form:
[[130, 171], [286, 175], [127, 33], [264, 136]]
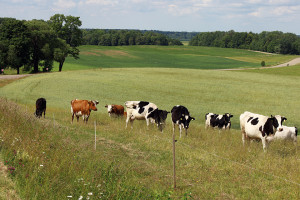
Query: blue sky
[[166, 15]]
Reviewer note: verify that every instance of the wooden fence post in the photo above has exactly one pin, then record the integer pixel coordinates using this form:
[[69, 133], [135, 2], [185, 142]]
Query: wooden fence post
[[174, 166]]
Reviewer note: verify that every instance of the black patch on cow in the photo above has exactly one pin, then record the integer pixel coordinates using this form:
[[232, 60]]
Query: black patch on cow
[[220, 121], [249, 119], [268, 127], [150, 109], [159, 116], [134, 107], [275, 122], [142, 105], [254, 121]]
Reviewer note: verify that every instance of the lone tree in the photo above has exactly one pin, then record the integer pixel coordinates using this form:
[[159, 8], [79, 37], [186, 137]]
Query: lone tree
[[67, 29]]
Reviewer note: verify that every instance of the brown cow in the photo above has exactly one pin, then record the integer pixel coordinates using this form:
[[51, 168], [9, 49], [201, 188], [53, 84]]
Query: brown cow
[[117, 110], [82, 108]]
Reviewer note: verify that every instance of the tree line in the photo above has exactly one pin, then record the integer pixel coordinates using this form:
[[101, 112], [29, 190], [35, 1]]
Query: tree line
[[105, 37], [37, 44], [272, 42]]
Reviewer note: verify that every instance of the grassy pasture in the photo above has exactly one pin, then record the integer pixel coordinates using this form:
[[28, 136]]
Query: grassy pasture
[[190, 57], [208, 167]]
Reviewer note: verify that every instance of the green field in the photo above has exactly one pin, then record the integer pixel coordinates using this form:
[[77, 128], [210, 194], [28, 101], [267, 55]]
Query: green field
[[137, 164], [169, 57]]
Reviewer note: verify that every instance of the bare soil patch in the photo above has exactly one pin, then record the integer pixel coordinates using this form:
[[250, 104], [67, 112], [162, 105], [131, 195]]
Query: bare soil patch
[[3, 77]]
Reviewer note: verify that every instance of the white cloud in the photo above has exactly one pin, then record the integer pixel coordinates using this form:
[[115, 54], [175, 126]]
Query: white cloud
[[101, 2], [63, 5]]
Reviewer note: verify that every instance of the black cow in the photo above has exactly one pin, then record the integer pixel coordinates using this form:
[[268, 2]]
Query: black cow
[[160, 117], [220, 121], [40, 107], [181, 117]]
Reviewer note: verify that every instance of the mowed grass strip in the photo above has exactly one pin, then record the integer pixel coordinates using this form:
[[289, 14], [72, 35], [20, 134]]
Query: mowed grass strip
[[169, 57], [210, 164]]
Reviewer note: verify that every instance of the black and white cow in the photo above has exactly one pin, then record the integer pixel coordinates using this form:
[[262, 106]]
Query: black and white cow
[[220, 121], [143, 110], [40, 105], [181, 117], [160, 117], [255, 126]]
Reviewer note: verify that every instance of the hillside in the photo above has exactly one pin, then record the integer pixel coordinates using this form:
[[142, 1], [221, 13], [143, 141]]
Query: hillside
[[58, 159]]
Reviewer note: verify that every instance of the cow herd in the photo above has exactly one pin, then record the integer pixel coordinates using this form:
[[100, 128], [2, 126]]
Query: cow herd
[[253, 126]]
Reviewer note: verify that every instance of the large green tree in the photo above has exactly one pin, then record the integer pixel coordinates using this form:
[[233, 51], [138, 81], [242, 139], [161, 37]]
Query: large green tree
[[42, 42], [15, 39], [67, 29]]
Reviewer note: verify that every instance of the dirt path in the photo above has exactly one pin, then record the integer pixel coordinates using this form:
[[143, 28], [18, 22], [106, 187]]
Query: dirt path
[[13, 76], [290, 63]]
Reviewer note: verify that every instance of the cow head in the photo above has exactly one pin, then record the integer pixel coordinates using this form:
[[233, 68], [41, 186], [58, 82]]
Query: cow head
[[277, 122], [186, 119], [227, 119], [93, 104], [109, 108]]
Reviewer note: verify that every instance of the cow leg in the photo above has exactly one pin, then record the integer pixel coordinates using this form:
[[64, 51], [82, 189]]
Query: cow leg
[[77, 118], [127, 120], [180, 129], [186, 132], [264, 143], [72, 117]]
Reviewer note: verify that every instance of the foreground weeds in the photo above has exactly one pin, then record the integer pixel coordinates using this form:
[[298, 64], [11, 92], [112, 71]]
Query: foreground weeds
[[54, 159], [48, 161]]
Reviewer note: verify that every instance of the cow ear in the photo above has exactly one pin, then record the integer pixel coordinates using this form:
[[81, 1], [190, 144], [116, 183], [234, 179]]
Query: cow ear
[[106, 106], [231, 115], [271, 116], [193, 118], [284, 119]]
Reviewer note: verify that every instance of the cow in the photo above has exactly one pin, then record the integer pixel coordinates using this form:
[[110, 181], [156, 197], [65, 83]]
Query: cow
[[255, 126], [220, 121], [181, 117], [40, 105], [141, 110], [82, 108], [160, 117], [288, 133], [116, 110]]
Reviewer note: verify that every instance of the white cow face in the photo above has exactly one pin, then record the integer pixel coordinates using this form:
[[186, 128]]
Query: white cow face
[[109, 108]]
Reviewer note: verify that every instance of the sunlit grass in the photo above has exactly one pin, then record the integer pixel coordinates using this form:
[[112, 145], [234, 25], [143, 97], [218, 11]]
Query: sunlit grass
[[210, 164]]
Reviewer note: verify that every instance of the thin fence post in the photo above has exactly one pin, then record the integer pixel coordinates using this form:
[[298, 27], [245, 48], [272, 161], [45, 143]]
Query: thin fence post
[[95, 134], [53, 121], [174, 167]]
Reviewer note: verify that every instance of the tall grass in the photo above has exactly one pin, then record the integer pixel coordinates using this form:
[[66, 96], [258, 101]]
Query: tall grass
[[50, 161], [137, 163]]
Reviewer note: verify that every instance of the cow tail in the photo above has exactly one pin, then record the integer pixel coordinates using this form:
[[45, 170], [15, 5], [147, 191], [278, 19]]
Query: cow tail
[[296, 131]]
